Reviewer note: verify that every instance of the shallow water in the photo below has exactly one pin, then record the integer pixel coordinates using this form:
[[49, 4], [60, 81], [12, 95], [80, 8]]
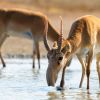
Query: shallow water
[[18, 81]]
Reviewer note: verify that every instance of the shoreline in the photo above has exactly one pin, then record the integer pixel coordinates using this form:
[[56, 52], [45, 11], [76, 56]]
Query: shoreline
[[20, 56]]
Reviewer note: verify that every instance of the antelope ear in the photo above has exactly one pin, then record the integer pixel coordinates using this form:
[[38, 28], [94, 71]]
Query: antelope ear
[[55, 46], [67, 49]]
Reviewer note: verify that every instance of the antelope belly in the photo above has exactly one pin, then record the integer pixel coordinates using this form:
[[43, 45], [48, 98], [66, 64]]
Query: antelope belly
[[21, 34]]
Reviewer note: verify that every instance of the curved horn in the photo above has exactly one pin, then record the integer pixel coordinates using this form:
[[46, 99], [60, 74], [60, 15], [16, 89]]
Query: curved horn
[[60, 36], [45, 36]]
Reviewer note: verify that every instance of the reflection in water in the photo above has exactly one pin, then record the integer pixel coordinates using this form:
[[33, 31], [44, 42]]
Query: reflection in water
[[73, 95], [53, 96], [18, 81], [56, 95], [35, 72], [98, 95], [1, 70]]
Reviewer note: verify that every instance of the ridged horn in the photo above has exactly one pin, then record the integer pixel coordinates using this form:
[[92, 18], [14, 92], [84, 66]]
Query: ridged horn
[[45, 37], [60, 36]]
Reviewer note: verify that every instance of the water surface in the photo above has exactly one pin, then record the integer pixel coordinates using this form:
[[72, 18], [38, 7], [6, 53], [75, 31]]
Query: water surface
[[18, 81]]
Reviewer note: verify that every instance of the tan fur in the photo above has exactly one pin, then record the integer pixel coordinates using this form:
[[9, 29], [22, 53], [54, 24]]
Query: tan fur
[[83, 41], [84, 38], [26, 24], [88, 39]]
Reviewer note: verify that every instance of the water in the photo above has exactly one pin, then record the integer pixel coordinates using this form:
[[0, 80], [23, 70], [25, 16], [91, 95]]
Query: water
[[18, 81]]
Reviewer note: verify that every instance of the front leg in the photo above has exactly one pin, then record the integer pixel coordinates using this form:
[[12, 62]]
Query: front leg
[[98, 66], [62, 80], [34, 58], [63, 75], [89, 61], [38, 53], [83, 69], [3, 63]]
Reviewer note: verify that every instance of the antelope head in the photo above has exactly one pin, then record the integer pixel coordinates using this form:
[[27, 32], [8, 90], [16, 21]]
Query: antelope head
[[56, 57]]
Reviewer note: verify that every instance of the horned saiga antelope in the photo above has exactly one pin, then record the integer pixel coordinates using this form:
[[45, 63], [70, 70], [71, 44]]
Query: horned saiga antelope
[[25, 24], [83, 41]]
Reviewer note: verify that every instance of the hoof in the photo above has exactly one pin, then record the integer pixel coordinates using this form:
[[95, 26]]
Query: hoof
[[87, 87], [4, 66], [33, 67], [59, 88]]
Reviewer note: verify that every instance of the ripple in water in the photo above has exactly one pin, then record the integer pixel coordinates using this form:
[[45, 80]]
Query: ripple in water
[[18, 81]]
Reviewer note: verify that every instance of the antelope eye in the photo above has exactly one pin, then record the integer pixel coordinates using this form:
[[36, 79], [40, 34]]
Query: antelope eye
[[60, 58]]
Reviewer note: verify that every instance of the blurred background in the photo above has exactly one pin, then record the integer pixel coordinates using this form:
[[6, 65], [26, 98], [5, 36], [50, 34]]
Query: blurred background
[[55, 4], [68, 9]]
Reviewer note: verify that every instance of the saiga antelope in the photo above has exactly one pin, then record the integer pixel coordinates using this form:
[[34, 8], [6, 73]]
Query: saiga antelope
[[25, 24], [83, 41]]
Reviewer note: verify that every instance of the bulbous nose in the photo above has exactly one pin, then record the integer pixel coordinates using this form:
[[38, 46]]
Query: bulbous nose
[[50, 77]]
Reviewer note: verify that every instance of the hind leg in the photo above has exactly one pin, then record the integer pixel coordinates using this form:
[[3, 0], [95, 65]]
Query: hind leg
[[83, 69], [38, 53], [89, 61], [33, 59], [97, 66], [2, 39], [2, 61]]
